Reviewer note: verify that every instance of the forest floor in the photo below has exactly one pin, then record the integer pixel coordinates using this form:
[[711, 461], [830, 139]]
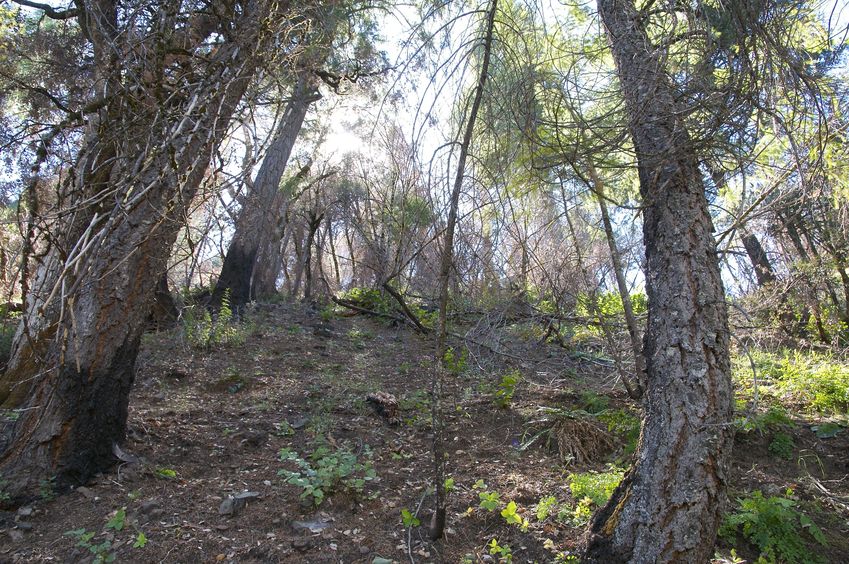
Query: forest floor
[[208, 425]]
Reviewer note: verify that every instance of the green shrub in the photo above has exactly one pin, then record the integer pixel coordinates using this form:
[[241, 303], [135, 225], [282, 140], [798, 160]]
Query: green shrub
[[598, 486], [327, 470], [506, 389], [203, 331], [816, 380], [773, 525], [624, 423], [782, 446]]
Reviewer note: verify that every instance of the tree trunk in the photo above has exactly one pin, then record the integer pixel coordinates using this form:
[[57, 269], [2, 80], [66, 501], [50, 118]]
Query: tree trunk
[[437, 524], [668, 507], [73, 358], [253, 259], [164, 311], [764, 272], [622, 285]]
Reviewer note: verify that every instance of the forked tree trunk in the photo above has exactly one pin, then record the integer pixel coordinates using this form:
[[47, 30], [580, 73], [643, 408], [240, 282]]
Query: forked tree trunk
[[668, 507], [253, 260], [73, 365]]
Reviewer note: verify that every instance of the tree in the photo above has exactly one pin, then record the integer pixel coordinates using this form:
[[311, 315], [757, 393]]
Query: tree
[[167, 81], [668, 507]]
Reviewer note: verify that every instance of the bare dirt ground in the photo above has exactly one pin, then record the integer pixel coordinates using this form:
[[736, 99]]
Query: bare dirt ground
[[209, 425]]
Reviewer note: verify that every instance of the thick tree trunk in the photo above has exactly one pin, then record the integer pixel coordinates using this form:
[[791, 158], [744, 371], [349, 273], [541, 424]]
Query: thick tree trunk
[[668, 507], [73, 359], [253, 260]]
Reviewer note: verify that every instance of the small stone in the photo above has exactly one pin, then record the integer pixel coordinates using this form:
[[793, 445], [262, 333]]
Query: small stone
[[146, 508], [364, 549], [25, 511], [25, 526], [85, 492], [16, 535], [301, 544]]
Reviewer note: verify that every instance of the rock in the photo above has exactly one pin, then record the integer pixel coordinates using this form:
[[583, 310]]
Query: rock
[[314, 526], [25, 511], [322, 331], [235, 503], [85, 492], [16, 535], [25, 525], [364, 549], [301, 544], [300, 422]]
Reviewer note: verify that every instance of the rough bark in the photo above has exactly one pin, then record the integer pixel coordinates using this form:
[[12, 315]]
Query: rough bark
[[764, 272], [140, 163], [668, 507], [253, 260]]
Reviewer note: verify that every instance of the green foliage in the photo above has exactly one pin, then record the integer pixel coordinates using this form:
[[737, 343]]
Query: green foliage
[[512, 517], [117, 521], [815, 380], [772, 419], [609, 304], [203, 331], [504, 553], [544, 507], [782, 446], [623, 423], [102, 552], [47, 488], [166, 473], [593, 402], [489, 500], [448, 485], [409, 519], [598, 486], [773, 525], [455, 363], [327, 470], [582, 512], [506, 389], [141, 540], [370, 299], [8, 328]]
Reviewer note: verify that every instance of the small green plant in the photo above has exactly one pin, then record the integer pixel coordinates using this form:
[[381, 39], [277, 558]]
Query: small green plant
[[409, 519], [102, 552], [506, 389], [327, 470], [284, 429], [117, 521], [203, 331], [598, 486], [624, 423], [775, 526], [166, 473], [511, 517], [141, 540], [782, 446], [489, 500], [544, 507], [47, 488], [773, 419], [504, 553], [455, 363], [581, 514], [448, 485], [593, 402]]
